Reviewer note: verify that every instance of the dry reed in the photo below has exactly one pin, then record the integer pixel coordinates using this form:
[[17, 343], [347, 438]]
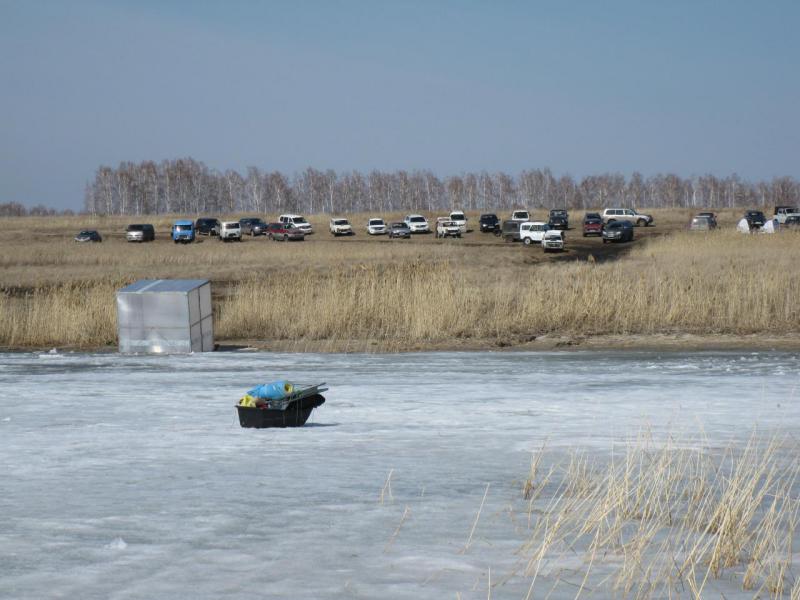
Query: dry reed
[[668, 518], [400, 296]]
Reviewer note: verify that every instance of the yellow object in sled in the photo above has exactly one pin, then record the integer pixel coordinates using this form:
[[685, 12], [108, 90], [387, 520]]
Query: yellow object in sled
[[248, 400]]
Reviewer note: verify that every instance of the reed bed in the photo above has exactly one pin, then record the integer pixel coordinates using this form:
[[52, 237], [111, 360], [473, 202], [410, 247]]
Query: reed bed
[[398, 295], [665, 520], [712, 284], [74, 314]]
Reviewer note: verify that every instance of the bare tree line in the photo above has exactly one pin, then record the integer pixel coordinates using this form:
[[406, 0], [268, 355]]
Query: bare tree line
[[15, 209], [188, 186]]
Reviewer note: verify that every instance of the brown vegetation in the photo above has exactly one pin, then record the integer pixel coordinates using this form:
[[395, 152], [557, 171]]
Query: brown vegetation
[[368, 293], [665, 520]]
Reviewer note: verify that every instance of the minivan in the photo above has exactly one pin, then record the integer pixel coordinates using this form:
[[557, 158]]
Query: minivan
[[183, 231], [140, 233]]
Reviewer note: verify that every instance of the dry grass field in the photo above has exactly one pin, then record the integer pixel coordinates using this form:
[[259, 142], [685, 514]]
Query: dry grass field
[[365, 293]]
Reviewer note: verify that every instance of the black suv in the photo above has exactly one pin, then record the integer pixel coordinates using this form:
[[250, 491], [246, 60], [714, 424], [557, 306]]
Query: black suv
[[253, 226], [755, 218], [206, 226], [559, 219], [489, 223]]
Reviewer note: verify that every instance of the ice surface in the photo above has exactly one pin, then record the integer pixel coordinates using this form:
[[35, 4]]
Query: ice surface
[[129, 476]]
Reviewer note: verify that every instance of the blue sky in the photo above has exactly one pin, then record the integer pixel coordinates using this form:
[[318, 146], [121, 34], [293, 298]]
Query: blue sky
[[580, 87]]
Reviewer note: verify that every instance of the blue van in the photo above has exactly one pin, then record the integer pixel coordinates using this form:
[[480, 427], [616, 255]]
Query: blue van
[[183, 231]]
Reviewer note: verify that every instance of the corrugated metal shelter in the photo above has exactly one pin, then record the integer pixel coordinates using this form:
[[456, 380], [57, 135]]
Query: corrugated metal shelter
[[165, 315]]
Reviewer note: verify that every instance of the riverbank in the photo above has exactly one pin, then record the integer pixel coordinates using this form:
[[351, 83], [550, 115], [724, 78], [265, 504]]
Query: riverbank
[[663, 342], [669, 288]]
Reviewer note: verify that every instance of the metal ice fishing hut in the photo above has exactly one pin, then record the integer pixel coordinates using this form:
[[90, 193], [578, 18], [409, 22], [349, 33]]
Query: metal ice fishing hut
[[171, 316]]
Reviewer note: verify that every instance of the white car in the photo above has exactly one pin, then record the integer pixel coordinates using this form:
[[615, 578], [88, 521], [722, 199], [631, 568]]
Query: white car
[[626, 214], [533, 232], [447, 228], [297, 221], [553, 240], [460, 219], [230, 230], [417, 224], [376, 227], [520, 215], [341, 227], [784, 212]]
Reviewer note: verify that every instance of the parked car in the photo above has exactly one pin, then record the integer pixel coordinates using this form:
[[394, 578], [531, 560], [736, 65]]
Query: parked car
[[253, 226], [618, 231], [140, 233], [699, 223], [399, 230], [417, 224], [206, 226], [376, 226], [626, 214], [712, 217], [460, 219], [230, 231], [784, 212], [592, 224], [510, 231], [521, 216], [533, 232], [559, 219], [489, 223], [755, 219], [792, 222], [297, 221], [447, 228], [341, 227], [283, 232], [553, 240], [88, 235], [183, 231]]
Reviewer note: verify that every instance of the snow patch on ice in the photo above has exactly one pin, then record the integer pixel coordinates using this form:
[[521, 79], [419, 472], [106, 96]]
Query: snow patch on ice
[[116, 544]]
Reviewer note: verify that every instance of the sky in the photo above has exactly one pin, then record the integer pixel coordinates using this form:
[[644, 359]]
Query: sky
[[579, 87]]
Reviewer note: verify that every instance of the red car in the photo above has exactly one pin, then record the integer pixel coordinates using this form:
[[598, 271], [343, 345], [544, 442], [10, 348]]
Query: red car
[[284, 232], [592, 224]]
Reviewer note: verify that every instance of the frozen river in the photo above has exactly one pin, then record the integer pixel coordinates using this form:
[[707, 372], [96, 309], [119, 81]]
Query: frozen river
[[129, 477]]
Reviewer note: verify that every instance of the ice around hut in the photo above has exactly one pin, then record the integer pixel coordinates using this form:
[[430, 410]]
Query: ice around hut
[[279, 404]]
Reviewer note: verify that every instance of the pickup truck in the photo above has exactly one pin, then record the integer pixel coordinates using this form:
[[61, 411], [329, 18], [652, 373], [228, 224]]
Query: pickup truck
[[447, 228], [533, 232], [784, 212]]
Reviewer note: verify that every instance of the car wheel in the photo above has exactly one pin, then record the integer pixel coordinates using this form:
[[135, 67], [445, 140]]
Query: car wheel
[[605, 241], [285, 238], [527, 241]]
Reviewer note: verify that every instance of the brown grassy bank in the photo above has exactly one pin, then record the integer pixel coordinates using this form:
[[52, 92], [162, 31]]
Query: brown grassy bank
[[418, 294], [699, 284]]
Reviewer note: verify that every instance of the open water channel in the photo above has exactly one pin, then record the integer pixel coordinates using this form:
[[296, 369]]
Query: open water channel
[[130, 477]]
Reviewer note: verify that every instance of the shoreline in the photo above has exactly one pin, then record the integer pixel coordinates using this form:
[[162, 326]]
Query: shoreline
[[668, 342]]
